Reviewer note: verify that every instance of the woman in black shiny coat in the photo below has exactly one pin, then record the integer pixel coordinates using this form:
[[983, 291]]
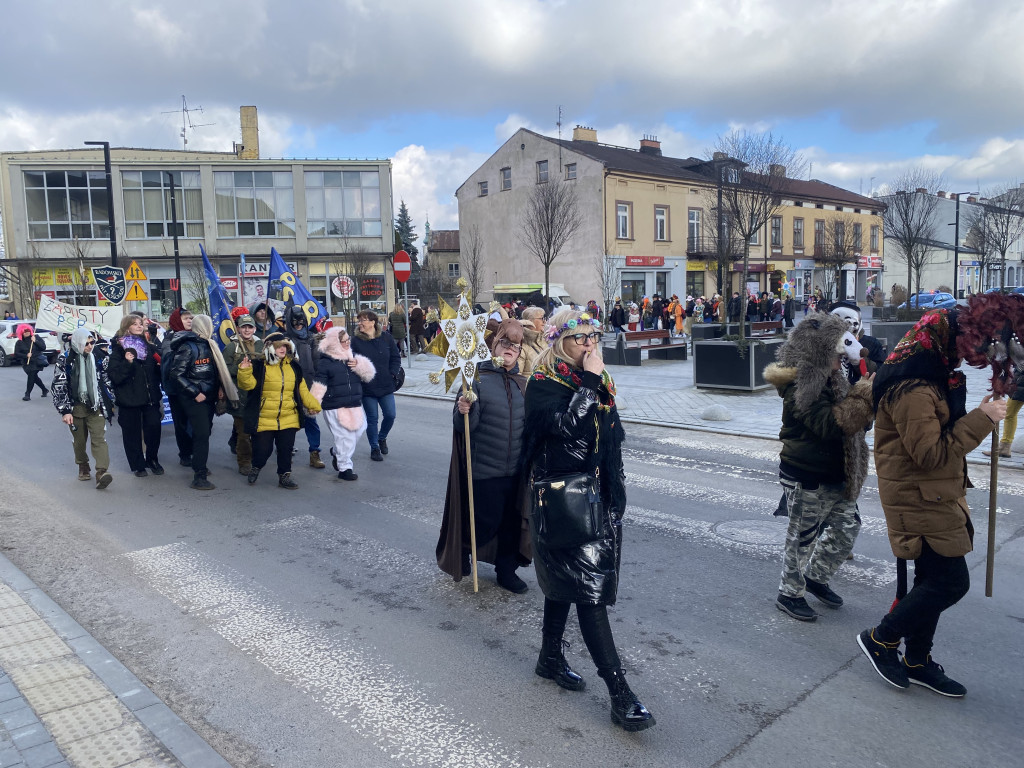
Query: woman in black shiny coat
[[572, 426]]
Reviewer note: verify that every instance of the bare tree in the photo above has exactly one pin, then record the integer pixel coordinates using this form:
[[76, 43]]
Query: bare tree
[[551, 219], [1002, 223], [353, 262], [752, 171], [78, 252], [436, 282], [979, 240], [471, 259], [26, 284], [909, 221], [841, 248], [608, 280], [194, 284]]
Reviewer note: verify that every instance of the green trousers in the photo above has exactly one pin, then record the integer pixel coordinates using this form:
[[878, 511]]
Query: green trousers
[[91, 429]]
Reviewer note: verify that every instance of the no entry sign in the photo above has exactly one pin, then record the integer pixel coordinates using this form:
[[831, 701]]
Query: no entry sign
[[403, 266]]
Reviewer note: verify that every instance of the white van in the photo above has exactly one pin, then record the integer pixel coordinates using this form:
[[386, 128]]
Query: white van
[[507, 292]]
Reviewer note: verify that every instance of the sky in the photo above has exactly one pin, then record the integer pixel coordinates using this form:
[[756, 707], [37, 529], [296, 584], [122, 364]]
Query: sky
[[864, 91]]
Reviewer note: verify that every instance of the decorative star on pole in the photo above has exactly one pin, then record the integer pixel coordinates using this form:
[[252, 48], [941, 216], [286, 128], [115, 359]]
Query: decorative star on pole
[[461, 343]]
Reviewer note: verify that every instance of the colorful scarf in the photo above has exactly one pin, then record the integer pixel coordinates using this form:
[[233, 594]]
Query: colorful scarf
[[571, 377], [135, 343]]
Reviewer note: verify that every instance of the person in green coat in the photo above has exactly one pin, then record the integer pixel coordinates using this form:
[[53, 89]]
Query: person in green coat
[[244, 345], [399, 330]]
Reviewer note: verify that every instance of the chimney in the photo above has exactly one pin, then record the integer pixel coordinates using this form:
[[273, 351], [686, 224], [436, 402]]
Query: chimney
[[922, 190], [942, 194], [972, 199], [719, 156], [777, 170], [249, 149], [582, 133], [649, 145]]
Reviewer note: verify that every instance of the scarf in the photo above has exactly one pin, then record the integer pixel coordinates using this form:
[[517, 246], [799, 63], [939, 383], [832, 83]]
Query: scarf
[[571, 377], [925, 356], [135, 343], [202, 325], [84, 386]]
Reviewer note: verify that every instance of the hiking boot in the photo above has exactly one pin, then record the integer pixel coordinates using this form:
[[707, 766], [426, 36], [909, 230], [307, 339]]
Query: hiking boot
[[348, 474], [551, 665], [155, 467], [103, 478], [824, 593], [383, 446], [885, 658], [314, 460], [627, 711], [1004, 453], [932, 676], [83, 472], [244, 469], [141, 473], [200, 483], [254, 473], [511, 582], [285, 481], [375, 454], [796, 607], [334, 460]]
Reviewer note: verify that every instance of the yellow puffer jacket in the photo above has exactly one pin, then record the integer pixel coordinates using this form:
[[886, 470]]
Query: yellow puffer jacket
[[278, 409]]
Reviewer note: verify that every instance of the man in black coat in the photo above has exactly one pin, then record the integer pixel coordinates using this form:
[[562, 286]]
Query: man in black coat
[[617, 317], [735, 307], [657, 308]]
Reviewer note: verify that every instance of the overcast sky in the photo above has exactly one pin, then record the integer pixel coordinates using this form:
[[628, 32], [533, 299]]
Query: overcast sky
[[864, 90]]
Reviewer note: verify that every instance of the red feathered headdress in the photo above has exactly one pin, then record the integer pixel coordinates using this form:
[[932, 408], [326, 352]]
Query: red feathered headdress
[[991, 330], [237, 312]]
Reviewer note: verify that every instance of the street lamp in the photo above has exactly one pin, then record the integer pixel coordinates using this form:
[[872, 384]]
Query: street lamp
[[174, 234], [110, 197], [956, 241]]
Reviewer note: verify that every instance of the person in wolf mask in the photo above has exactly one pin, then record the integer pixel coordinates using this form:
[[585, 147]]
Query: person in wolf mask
[[876, 352], [824, 459]]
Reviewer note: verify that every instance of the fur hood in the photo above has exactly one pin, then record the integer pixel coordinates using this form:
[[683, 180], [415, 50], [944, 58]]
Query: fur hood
[[810, 348], [331, 347], [270, 347], [376, 332]]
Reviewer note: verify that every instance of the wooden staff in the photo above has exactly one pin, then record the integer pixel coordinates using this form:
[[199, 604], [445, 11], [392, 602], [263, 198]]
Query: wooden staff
[[993, 477], [469, 486]]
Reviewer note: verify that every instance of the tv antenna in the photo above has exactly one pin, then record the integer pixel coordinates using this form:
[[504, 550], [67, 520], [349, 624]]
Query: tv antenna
[[186, 120]]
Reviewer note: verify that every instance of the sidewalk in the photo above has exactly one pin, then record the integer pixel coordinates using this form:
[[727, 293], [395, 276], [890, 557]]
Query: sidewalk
[[66, 702]]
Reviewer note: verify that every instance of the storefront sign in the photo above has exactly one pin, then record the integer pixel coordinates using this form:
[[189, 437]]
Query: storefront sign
[[869, 261], [343, 286], [229, 283], [645, 261], [262, 268], [371, 287], [803, 264]]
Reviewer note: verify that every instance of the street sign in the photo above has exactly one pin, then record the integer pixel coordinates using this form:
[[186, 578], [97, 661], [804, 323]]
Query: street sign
[[135, 293], [135, 273], [110, 282], [343, 286], [403, 266]]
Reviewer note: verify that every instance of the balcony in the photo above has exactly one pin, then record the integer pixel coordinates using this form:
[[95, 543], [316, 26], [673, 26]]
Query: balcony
[[707, 248]]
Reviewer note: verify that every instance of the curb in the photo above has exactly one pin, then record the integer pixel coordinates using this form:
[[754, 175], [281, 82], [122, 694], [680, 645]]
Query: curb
[[191, 750]]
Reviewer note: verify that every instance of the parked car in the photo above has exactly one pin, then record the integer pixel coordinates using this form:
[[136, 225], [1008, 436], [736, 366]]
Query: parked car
[[8, 337], [1018, 289], [931, 300]]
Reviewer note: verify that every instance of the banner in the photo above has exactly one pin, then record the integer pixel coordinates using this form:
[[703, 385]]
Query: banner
[[56, 316], [110, 283], [284, 287], [220, 306]]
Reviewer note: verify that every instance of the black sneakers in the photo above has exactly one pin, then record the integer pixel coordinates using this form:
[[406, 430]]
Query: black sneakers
[[824, 593], [933, 676], [885, 658], [384, 446], [796, 607], [348, 474], [375, 454]]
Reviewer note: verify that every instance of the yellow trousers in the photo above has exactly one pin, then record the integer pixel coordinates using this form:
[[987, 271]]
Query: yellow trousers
[[1010, 422]]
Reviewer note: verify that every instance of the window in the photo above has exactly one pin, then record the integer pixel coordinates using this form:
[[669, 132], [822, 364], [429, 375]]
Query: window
[[661, 222], [695, 283], [819, 237], [798, 233], [483, 189], [839, 232], [693, 230], [623, 214], [254, 204], [542, 171], [506, 179], [65, 204], [858, 239], [147, 204], [453, 270], [343, 203], [755, 238], [776, 231], [570, 171], [732, 175], [874, 237]]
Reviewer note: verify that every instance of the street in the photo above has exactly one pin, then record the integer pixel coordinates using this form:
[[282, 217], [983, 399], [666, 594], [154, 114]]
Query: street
[[314, 628]]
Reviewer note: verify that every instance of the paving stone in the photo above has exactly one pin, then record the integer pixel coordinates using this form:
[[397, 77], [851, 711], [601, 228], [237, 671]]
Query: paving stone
[[85, 720], [34, 652], [61, 694], [30, 735], [48, 672], [42, 756], [18, 718], [9, 598], [25, 632], [8, 691], [10, 757], [116, 747], [16, 615]]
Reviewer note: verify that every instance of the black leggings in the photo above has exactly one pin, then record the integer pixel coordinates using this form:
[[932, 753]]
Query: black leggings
[[939, 582], [597, 632], [33, 380]]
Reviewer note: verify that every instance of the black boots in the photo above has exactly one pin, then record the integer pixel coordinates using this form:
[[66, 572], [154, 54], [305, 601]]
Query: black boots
[[627, 711], [552, 665]]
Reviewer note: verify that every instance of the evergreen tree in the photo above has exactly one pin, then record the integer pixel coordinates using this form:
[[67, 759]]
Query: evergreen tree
[[406, 232]]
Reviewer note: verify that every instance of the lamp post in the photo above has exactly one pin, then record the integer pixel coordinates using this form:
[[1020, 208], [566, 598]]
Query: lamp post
[[174, 231], [956, 242], [110, 197]]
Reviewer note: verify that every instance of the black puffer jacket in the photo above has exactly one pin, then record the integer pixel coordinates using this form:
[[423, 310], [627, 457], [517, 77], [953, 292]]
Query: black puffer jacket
[[305, 343], [192, 369], [135, 383], [566, 432], [1018, 386], [496, 421], [21, 354], [383, 353]]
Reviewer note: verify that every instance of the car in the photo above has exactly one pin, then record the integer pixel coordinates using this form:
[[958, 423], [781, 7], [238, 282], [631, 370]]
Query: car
[[931, 300], [8, 337], [1018, 289]]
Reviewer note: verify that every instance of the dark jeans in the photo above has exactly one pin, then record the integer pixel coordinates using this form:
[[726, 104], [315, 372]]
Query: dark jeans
[[33, 380], [182, 433], [387, 407], [597, 632], [200, 420], [312, 433], [497, 514], [263, 444], [138, 424], [939, 582]]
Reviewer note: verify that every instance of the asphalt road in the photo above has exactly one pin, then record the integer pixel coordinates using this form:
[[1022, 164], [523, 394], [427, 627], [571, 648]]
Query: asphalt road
[[313, 628]]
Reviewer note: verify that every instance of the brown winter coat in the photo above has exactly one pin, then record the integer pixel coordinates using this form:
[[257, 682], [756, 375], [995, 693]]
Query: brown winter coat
[[534, 343], [922, 472]]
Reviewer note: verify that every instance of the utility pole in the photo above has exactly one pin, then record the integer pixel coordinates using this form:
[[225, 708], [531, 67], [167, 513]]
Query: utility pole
[[956, 243], [110, 197], [174, 231]]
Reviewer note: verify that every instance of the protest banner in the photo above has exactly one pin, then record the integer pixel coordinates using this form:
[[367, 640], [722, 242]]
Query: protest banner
[[57, 316]]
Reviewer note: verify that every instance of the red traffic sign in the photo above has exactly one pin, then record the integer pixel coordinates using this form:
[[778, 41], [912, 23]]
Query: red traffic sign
[[403, 266]]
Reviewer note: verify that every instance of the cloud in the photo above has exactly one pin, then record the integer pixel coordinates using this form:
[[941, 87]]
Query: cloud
[[427, 181]]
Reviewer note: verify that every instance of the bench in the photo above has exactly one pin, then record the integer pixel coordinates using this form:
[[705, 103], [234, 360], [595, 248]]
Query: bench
[[765, 328], [627, 348]]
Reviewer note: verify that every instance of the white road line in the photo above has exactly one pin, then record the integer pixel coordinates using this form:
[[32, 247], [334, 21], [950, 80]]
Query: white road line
[[406, 723]]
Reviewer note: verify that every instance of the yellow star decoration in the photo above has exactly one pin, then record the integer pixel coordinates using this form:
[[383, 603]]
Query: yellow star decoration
[[460, 344]]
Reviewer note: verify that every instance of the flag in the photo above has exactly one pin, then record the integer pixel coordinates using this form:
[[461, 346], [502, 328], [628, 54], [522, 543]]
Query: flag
[[241, 280], [284, 286], [220, 306]]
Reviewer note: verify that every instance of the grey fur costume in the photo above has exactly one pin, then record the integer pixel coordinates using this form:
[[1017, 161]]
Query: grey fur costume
[[806, 358]]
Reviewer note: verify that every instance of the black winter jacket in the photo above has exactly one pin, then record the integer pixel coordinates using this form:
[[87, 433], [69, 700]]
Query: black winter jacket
[[383, 353], [344, 388], [21, 350], [495, 421], [305, 343], [136, 383], [812, 441], [192, 369]]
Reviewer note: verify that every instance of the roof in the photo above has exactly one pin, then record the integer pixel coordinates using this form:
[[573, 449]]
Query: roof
[[444, 240]]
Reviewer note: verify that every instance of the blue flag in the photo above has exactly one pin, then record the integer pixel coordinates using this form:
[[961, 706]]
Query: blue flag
[[284, 286], [220, 306]]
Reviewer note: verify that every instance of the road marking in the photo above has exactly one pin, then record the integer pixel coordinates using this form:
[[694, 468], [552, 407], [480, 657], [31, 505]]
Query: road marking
[[407, 724]]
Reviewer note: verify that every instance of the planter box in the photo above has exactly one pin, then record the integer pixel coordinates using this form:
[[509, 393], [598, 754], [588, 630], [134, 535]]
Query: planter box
[[890, 333], [718, 365], [701, 331]]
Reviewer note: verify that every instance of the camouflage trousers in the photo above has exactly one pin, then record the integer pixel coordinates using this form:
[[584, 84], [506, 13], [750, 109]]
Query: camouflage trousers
[[822, 528]]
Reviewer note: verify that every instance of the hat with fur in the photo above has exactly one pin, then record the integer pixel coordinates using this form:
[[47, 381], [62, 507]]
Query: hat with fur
[[331, 344], [811, 349], [274, 340]]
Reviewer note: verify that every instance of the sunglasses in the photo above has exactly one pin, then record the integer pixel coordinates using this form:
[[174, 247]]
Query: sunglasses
[[580, 338]]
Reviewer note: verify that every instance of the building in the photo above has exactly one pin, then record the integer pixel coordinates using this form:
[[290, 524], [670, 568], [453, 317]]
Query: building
[[327, 218], [443, 250], [645, 222]]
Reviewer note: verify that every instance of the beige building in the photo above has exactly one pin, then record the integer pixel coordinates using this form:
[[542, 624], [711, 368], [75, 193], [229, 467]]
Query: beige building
[[645, 222], [314, 212]]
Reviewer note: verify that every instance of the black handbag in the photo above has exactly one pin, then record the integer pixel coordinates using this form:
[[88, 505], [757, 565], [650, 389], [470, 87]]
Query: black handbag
[[399, 379], [567, 511]]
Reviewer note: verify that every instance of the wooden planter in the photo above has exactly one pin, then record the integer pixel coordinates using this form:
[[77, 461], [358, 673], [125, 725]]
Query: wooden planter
[[718, 365]]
